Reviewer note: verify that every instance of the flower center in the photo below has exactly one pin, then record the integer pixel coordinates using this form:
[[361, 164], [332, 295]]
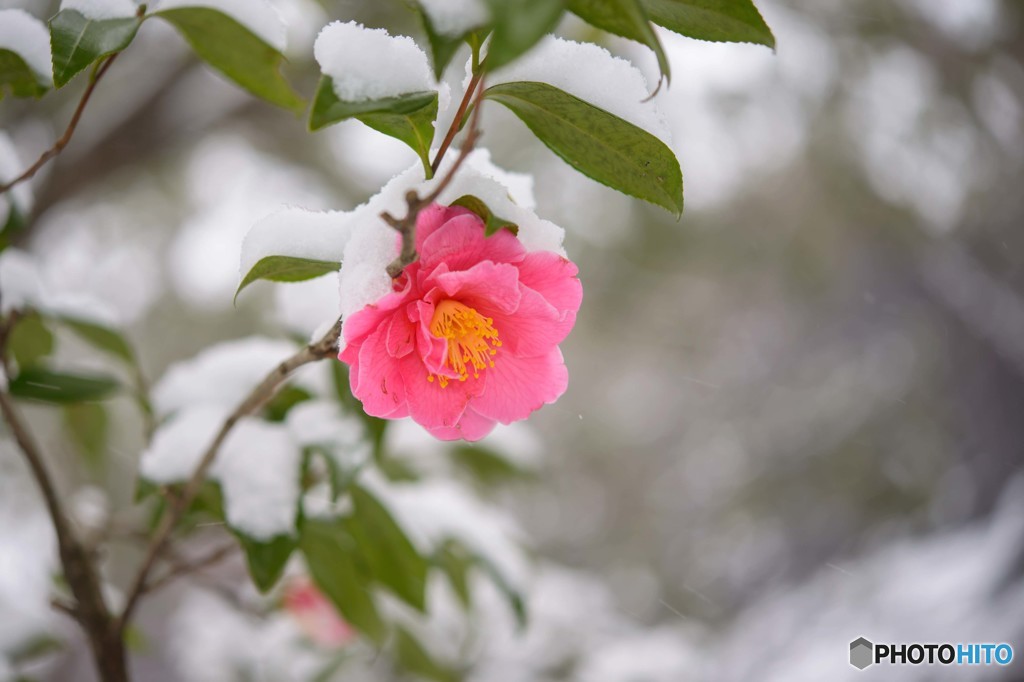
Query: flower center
[[472, 339]]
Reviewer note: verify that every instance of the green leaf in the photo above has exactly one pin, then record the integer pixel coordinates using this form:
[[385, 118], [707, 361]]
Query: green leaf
[[390, 556], [409, 118], [733, 21], [87, 425], [286, 269], [414, 658], [235, 51], [100, 337], [455, 562], [330, 555], [283, 401], [442, 47], [18, 78], [266, 559], [624, 18], [598, 144], [78, 41], [518, 26], [39, 383], [30, 341], [492, 223]]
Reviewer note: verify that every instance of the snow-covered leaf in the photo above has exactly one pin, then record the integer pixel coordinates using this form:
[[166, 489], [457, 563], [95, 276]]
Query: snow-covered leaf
[[330, 557], [45, 385], [286, 269], [77, 41], [235, 50], [409, 118], [624, 18], [736, 21], [24, 54], [518, 26], [600, 145]]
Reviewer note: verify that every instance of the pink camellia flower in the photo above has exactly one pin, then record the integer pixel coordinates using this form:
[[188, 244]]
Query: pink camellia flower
[[469, 335], [316, 616]]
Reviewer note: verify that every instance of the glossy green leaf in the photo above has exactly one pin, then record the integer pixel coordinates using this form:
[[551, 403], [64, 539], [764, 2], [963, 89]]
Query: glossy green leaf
[[39, 383], [596, 143], [30, 341], [409, 118], [393, 560], [518, 26], [286, 269], [330, 553], [414, 658], [17, 78], [100, 337], [266, 559], [235, 51], [77, 41], [87, 426], [624, 18], [442, 47], [734, 21], [492, 223]]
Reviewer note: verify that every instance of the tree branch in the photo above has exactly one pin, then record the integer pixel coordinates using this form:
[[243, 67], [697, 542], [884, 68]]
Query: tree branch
[[406, 226], [259, 396], [184, 568], [63, 140], [90, 608]]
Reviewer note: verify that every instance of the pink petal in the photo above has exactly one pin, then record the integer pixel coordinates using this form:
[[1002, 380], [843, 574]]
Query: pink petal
[[433, 217], [400, 337], [380, 385], [430, 405], [553, 277], [460, 243], [494, 286], [472, 426], [362, 322], [518, 386], [534, 328]]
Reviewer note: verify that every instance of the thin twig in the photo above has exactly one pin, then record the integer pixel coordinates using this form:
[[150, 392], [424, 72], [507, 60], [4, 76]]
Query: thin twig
[[453, 129], [259, 396], [184, 568], [406, 226], [64, 139]]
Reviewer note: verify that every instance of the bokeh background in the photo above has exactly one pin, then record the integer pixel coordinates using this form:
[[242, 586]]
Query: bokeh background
[[796, 415]]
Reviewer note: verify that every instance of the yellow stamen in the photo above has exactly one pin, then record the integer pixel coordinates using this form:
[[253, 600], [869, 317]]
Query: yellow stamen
[[472, 339]]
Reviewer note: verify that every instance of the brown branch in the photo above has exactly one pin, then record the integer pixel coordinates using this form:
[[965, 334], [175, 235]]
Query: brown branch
[[406, 226], [90, 608], [64, 139], [259, 396]]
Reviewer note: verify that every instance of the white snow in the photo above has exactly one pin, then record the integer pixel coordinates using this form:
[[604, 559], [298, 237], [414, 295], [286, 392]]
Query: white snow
[[257, 467], [221, 375], [20, 284], [259, 16], [374, 244], [258, 470], [23, 34], [99, 10], [591, 73], [369, 63], [456, 17], [296, 232]]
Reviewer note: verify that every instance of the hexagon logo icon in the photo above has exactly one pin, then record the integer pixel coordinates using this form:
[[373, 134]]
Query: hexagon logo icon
[[861, 653]]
